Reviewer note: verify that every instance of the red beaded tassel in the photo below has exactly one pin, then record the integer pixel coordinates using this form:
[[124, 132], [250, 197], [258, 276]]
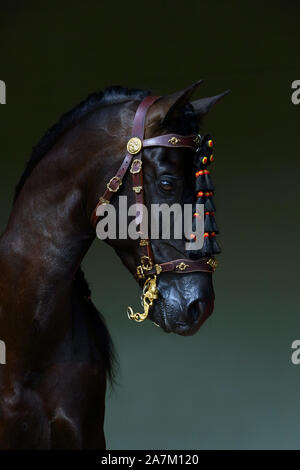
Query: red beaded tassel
[[200, 181], [201, 197], [208, 181], [214, 244], [210, 223], [207, 248], [209, 204], [203, 181], [205, 190]]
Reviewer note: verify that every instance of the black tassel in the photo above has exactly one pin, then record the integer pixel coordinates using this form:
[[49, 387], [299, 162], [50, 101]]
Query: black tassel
[[208, 226], [201, 199], [209, 203], [209, 185], [205, 188], [214, 245], [214, 224], [207, 248], [201, 184]]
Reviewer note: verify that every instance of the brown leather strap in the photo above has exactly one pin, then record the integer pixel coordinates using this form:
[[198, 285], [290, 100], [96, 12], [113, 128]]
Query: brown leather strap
[[172, 140], [112, 187], [182, 266], [138, 130], [138, 127]]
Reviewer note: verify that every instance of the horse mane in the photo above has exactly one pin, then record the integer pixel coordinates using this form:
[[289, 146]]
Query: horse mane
[[110, 95]]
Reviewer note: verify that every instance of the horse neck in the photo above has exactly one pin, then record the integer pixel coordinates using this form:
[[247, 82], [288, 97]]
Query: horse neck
[[49, 232]]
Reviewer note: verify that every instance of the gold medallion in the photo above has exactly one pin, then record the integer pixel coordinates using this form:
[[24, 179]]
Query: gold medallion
[[134, 145]]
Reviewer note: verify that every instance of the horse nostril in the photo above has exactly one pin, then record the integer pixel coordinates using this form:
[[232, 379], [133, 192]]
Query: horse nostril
[[193, 311], [196, 310]]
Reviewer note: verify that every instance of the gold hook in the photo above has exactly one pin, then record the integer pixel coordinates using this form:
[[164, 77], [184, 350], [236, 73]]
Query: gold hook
[[150, 293]]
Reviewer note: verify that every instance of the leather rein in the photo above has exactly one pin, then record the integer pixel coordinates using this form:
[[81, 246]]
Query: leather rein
[[148, 270]]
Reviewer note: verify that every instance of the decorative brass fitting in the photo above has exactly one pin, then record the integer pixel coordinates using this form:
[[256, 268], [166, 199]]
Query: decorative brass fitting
[[134, 145], [182, 266], [150, 293], [213, 263], [174, 140]]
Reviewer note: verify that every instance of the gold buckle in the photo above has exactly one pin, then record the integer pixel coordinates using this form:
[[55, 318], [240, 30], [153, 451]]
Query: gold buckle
[[213, 263], [114, 178], [144, 242], [134, 145], [138, 162]]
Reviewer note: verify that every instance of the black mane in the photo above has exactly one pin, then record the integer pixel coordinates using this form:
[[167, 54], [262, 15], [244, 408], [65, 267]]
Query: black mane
[[110, 95], [113, 94]]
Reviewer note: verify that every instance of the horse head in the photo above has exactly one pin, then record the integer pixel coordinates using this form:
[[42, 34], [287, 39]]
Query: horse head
[[168, 160]]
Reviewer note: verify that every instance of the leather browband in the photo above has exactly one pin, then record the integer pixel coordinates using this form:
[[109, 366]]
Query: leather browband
[[133, 159], [172, 140]]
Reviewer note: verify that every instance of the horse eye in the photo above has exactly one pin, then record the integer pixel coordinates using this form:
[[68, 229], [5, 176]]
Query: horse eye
[[166, 185]]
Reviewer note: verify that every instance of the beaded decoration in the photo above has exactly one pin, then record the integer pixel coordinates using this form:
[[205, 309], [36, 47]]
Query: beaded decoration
[[205, 191]]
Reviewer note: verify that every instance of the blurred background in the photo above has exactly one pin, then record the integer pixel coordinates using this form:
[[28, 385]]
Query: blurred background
[[232, 385]]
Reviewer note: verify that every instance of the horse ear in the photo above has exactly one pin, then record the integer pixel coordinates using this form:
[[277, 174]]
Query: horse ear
[[169, 106], [202, 106]]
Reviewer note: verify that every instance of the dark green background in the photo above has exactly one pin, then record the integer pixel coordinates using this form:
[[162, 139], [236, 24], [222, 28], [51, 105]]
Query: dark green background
[[233, 384]]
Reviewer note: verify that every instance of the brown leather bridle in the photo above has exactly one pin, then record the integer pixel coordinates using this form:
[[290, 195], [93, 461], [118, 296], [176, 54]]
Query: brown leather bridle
[[133, 159]]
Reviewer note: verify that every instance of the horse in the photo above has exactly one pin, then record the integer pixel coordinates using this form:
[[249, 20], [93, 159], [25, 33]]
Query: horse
[[59, 353]]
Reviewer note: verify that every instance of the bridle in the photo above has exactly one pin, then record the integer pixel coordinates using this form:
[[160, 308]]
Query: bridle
[[148, 270]]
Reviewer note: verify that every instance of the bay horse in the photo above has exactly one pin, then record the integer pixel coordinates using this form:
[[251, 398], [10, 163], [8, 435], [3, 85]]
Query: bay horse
[[59, 354]]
